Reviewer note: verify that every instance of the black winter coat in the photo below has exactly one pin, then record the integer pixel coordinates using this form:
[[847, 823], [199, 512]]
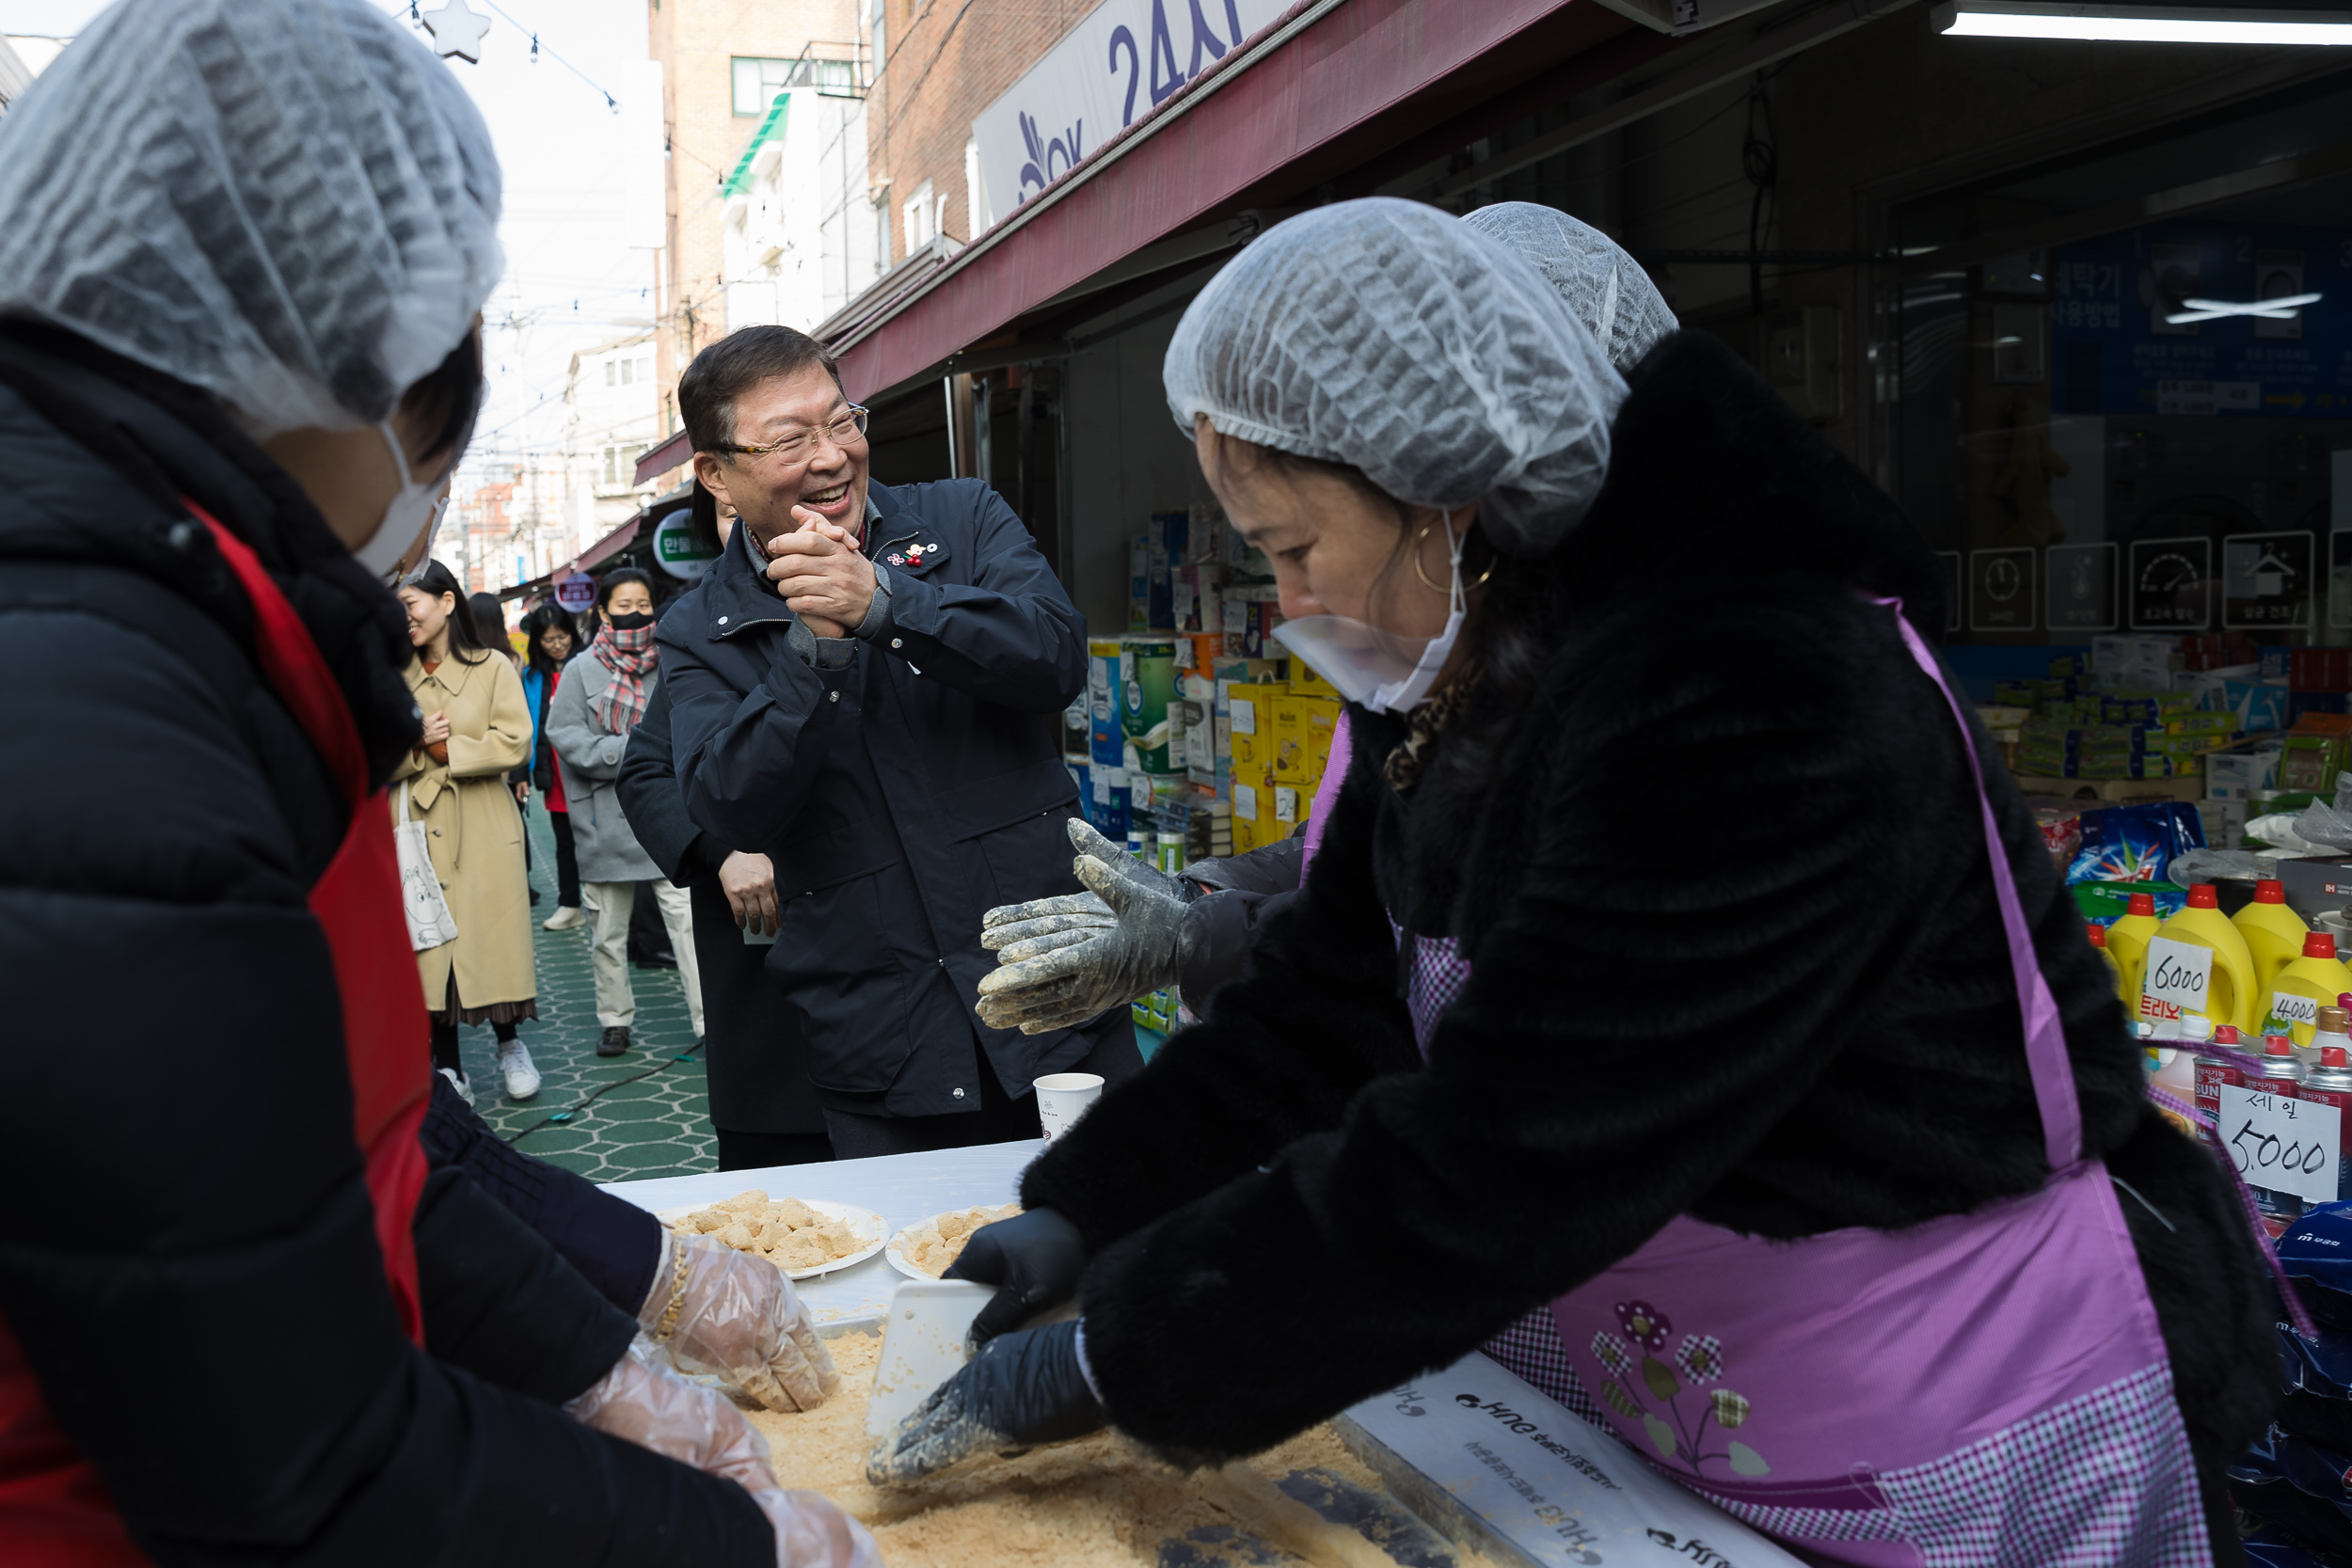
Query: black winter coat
[[188, 1252], [1244, 892], [900, 796], [1736, 954], [753, 1045]]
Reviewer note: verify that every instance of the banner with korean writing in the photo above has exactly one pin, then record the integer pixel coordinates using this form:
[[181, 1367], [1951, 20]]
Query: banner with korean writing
[[1110, 69]]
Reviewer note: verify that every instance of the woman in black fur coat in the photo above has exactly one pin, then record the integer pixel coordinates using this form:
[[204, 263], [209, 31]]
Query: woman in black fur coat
[[1711, 843]]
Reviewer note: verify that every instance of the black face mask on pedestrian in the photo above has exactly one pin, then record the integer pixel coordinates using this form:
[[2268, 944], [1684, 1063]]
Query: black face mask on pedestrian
[[628, 623]]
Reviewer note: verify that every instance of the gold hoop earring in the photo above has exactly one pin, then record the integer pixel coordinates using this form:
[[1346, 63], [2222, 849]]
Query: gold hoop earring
[[1438, 586]]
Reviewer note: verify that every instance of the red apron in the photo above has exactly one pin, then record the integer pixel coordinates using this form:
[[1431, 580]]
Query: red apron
[[53, 1513]]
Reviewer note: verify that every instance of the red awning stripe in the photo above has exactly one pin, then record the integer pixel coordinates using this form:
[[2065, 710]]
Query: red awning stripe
[[661, 459], [610, 544], [1322, 70]]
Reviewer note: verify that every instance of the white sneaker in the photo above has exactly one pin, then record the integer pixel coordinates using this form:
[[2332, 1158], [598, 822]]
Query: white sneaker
[[564, 919], [523, 1079], [465, 1089]]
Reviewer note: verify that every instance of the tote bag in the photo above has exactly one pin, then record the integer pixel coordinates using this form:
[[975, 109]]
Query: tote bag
[[430, 924]]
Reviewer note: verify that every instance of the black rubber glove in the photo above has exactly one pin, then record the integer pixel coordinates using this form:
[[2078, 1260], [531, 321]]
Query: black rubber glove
[[1022, 1389], [1034, 1260]]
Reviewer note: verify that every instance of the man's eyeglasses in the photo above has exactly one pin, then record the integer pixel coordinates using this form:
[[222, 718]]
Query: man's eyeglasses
[[846, 430]]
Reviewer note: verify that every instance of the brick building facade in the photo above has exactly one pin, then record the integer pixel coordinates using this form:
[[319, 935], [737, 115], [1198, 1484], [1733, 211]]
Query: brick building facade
[[943, 65], [701, 45]]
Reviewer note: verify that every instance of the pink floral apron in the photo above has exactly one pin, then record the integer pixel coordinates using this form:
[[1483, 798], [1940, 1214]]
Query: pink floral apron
[[1984, 1388]]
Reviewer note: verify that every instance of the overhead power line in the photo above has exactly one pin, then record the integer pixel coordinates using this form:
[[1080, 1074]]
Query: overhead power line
[[417, 19]]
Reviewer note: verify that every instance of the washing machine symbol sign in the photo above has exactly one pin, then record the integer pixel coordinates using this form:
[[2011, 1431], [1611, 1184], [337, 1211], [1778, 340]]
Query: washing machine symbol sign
[[2082, 581], [2271, 576], [2268, 578], [2002, 597]]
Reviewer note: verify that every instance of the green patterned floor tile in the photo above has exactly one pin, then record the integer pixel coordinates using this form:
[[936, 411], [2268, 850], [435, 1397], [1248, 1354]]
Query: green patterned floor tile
[[658, 1125]]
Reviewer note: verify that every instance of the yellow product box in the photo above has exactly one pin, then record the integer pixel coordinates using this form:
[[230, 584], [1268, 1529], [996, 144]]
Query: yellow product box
[[1318, 717], [1250, 716], [1290, 741], [1253, 809], [1306, 683]]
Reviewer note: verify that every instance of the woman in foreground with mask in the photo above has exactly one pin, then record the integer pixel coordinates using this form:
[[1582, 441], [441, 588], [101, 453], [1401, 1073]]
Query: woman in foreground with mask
[[240, 1319], [1675, 1009], [1063, 960]]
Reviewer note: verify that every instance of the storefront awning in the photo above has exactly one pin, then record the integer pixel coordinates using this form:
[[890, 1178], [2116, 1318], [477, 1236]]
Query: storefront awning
[[605, 548], [661, 459], [1315, 95]]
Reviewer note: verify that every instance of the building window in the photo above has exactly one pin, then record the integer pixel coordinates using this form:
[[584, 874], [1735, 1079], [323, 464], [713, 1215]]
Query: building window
[[620, 466], [611, 372], [976, 217], [645, 370], [756, 83], [922, 217]]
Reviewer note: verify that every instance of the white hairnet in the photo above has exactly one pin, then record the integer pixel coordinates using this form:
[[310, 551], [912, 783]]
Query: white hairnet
[[289, 203], [1607, 290], [1385, 335]]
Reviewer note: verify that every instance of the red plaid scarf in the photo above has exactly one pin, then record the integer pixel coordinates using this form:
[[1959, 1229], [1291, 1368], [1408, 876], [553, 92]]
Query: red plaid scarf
[[631, 656]]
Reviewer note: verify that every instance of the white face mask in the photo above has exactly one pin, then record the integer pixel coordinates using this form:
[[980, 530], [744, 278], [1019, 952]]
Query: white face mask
[[416, 509], [1385, 672]]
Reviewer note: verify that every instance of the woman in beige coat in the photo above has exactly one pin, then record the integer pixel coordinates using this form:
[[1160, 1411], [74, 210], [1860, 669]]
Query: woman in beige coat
[[477, 726]]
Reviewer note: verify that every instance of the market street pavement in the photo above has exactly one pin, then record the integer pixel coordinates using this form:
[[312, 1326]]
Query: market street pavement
[[657, 1125]]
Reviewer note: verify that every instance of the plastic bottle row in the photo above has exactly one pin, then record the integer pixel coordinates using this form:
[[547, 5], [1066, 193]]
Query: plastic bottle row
[[2261, 971]]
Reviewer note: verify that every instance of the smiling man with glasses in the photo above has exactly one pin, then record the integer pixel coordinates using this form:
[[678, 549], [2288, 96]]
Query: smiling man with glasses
[[864, 689]]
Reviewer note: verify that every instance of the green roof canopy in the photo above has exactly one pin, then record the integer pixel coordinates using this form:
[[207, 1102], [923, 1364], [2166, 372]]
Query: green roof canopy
[[770, 128]]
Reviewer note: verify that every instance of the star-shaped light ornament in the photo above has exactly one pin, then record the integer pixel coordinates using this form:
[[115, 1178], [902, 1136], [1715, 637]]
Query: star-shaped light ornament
[[456, 31]]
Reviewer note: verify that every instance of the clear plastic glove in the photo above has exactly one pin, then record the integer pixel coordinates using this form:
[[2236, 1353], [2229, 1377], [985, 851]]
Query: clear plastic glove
[[646, 1403], [813, 1533], [1060, 986], [1020, 1390], [1034, 1260], [653, 1407], [736, 1318]]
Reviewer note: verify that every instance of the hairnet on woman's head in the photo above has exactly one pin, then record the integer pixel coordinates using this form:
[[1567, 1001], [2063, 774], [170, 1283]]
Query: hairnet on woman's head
[[289, 203], [1606, 289], [1385, 335]]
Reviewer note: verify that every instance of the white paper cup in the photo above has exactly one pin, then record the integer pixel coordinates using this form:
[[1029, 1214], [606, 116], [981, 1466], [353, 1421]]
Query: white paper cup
[[1062, 1098]]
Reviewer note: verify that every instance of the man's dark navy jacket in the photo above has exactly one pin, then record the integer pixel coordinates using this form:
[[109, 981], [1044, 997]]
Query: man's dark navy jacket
[[900, 796]]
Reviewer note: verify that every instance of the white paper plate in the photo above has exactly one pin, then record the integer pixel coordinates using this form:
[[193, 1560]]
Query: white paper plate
[[896, 1254], [897, 1259], [868, 1224]]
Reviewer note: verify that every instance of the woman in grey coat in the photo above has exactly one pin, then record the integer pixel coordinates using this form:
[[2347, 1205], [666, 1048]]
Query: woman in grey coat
[[601, 700]]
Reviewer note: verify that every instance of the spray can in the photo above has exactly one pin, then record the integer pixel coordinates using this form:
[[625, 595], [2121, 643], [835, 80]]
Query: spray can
[[2282, 1069], [2214, 1070], [2330, 1083], [2329, 1031], [2282, 1076]]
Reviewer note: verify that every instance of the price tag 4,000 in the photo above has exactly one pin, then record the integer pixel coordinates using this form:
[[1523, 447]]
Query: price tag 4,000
[[2288, 1145]]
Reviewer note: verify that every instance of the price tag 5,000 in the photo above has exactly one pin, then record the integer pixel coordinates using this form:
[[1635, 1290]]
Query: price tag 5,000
[[2288, 1145]]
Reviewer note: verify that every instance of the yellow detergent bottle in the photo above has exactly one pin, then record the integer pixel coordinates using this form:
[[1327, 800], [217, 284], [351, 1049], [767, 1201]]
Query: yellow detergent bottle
[[2274, 934], [2098, 935], [2302, 988], [2198, 963], [2127, 942]]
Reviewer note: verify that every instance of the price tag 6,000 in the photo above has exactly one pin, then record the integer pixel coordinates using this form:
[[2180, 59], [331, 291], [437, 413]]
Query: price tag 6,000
[[2288, 1145]]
